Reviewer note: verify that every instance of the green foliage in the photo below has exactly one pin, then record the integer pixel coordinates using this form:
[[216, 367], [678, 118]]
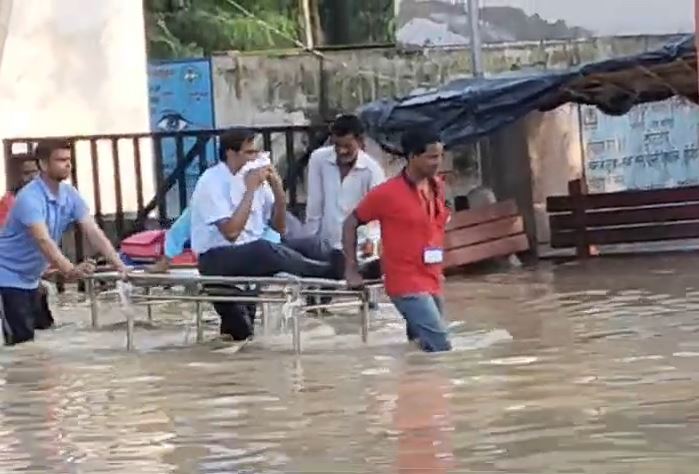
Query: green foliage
[[365, 21], [181, 28], [191, 28]]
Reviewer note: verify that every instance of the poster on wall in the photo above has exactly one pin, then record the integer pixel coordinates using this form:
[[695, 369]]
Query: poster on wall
[[181, 99], [445, 22], [653, 146]]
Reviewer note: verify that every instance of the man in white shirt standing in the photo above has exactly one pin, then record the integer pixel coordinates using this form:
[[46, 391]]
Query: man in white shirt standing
[[339, 176]]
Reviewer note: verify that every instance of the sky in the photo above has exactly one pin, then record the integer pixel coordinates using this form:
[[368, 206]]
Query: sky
[[612, 17]]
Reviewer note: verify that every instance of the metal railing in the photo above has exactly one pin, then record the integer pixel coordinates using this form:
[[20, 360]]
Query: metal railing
[[112, 171], [287, 291]]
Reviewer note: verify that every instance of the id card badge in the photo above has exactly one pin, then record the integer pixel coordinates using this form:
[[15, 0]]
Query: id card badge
[[433, 255]]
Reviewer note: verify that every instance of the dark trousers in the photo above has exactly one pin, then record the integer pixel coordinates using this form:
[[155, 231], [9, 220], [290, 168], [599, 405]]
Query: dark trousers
[[19, 310], [312, 247], [23, 311], [255, 259], [44, 318], [318, 249]]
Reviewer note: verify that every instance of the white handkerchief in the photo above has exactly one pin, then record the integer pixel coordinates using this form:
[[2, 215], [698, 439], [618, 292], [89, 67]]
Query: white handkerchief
[[263, 159]]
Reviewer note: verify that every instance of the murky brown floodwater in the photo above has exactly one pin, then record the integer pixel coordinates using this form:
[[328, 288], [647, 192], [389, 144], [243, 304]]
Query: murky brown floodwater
[[574, 369]]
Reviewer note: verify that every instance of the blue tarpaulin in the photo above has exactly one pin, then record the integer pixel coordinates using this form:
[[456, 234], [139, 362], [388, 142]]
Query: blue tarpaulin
[[467, 109]]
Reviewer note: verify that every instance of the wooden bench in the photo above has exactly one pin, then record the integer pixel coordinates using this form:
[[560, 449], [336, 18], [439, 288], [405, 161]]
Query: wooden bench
[[480, 234], [580, 220]]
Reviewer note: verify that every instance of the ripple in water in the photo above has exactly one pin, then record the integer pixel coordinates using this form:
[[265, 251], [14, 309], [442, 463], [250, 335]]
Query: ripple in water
[[584, 368]]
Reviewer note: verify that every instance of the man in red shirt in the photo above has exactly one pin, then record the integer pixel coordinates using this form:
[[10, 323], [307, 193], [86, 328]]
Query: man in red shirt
[[21, 170], [412, 212]]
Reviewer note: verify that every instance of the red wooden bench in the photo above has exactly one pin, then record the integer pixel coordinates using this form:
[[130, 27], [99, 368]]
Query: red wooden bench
[[580, 220], [480, 234]]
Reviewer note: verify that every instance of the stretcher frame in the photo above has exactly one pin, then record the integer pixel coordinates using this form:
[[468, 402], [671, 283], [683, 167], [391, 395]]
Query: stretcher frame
[[288, 291]]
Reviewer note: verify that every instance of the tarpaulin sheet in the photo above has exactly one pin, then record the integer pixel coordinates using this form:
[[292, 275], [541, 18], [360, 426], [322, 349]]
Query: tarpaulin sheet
[[467, 109]]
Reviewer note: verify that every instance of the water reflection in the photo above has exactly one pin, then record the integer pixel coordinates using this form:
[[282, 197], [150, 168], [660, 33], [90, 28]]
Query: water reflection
[[424, 424], [577, 368]]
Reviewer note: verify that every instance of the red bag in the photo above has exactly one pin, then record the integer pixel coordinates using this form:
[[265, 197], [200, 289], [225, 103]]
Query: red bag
[[186, 259], [147, 245]]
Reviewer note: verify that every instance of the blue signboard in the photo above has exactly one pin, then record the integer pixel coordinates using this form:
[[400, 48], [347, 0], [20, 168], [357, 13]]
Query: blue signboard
[[653, 146], [181, 98]]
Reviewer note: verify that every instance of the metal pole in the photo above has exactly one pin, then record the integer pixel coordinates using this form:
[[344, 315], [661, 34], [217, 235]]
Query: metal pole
[[266, 313], [200, 322], [365, 317], [476, 43], [94, 307], [476, 61], [308, 24], [296, 328], [129, 329], [149, 309]]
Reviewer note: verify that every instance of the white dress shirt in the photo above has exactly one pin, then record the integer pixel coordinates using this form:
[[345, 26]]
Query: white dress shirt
[[331, 199], [217, 195]]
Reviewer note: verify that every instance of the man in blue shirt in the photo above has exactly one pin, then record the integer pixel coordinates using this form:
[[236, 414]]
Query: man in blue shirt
[[43, 211], [232, 205]]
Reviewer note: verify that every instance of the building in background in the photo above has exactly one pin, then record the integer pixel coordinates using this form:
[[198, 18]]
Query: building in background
[[77, 67], [445, 22]]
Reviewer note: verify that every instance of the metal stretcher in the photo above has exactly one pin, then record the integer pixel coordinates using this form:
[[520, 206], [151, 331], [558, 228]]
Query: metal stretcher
[[288, 291]]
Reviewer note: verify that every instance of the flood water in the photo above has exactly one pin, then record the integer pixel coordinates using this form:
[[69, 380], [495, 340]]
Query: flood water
[[582, 368]]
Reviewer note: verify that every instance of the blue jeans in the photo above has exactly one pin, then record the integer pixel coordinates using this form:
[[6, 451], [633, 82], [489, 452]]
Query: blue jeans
[[423, 315]]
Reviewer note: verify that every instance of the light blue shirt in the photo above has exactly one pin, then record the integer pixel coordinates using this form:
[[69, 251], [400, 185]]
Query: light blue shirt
[[180, 233], [216, 197], [21, 260]]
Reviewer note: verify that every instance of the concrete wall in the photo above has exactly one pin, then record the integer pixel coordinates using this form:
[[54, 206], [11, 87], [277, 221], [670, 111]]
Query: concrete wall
[[555, 155], [297, 87], [529, 160], [77, 67]]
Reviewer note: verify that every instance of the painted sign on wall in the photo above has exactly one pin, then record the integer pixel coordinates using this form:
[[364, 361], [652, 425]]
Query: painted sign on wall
[[181, 98], [653, 146]]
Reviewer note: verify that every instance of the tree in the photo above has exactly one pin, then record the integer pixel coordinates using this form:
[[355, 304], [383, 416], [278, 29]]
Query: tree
[[187, 28]]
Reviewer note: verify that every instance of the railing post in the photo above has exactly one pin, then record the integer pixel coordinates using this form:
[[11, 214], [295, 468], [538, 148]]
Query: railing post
[[7, 145], [96, 187], [577, 191], [117, 189], [291, 168], [139, 176], [160, 180], [182, 173], [77, 233]]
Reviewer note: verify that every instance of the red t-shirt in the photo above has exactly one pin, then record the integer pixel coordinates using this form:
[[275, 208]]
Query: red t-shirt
[[407, 230], [6, 204]]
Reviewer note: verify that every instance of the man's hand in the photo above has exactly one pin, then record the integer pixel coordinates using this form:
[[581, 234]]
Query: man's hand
[[80, 271], [123, 272], [354, 278], [275, 181], [255, 178]]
